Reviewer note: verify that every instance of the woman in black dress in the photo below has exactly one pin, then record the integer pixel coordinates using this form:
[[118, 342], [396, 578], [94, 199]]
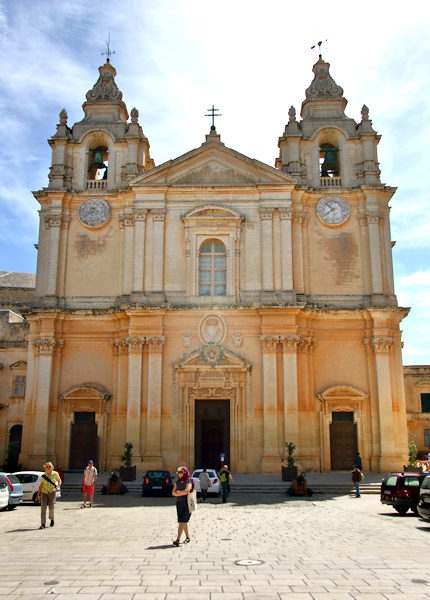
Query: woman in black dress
[[181, 489]]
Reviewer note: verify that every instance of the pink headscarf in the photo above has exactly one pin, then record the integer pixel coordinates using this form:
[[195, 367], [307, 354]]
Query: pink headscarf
[[185, 476]]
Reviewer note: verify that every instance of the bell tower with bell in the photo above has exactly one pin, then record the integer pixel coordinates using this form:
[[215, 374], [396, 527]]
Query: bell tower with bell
[[343, 202], [92, 162]]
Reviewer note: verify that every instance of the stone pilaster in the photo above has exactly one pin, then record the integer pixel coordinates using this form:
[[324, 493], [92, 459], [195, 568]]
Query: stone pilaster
[[134, 394], [153, 456], [270, 460], [266, 215]]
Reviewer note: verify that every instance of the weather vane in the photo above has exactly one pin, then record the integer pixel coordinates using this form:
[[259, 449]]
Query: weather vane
[[319, 44], [108, 52], [212, 114]]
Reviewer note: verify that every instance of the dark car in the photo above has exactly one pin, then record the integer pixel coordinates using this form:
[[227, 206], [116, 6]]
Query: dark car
[[424, 505], [402, 491], [157, 483]]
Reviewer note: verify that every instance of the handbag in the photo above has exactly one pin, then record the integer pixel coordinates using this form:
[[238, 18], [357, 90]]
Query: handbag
[[192, 501]]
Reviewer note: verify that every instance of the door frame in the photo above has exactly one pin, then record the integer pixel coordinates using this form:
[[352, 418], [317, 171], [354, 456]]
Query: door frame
[[196, 380], [343, 398], [83, 398], [224, 418]]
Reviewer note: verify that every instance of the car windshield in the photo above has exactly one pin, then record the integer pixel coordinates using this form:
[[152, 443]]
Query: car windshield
[[157, 474], [13, 478]]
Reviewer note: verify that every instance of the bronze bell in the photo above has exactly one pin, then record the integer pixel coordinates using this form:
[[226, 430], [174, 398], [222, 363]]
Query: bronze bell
[[330, 160], [98, 158]]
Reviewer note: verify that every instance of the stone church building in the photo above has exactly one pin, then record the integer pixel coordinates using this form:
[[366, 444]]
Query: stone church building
[[213, 306]]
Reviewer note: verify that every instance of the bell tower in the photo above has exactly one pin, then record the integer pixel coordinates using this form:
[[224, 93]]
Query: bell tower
[[92, 162], [327, 149], [103, 151], [343, 205]]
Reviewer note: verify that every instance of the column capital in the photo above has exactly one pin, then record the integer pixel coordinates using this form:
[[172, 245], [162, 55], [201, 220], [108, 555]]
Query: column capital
[[133, 345], [159, 214], [47, 347], [380, 345], [140, 214], [285, 214], [266, 213], [126, 220]]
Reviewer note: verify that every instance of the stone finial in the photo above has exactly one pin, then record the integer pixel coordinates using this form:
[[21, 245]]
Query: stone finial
[[365, 113], [134, 115], [292, 114], [63, 117]]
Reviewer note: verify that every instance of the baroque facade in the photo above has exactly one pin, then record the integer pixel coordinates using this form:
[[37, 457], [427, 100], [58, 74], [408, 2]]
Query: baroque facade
[[214, 306]]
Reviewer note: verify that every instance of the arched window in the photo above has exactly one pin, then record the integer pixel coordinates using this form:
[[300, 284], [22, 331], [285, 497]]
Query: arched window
[[212, 269]]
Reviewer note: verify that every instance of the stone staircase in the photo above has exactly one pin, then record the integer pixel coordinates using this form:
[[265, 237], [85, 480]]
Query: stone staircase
[[327, 488]]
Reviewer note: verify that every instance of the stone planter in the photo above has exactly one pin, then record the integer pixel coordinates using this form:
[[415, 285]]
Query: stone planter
[[128, 473], [289, 473]]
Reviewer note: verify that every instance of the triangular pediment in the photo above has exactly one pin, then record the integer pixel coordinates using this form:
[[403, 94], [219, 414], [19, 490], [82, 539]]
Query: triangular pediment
[[213, 165]]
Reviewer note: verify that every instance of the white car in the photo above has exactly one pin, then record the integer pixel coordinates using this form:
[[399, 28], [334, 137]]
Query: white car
[[4, 495], [30, 484], [215, 488]]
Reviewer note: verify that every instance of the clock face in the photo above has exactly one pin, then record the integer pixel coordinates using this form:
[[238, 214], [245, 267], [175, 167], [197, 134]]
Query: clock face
[[333, 210], [94, 212]]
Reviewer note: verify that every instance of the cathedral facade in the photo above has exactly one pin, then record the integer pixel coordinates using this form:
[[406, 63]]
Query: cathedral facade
[[214, 308]]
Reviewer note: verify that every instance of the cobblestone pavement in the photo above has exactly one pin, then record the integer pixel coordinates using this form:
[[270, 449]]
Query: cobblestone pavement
[[254, 547]]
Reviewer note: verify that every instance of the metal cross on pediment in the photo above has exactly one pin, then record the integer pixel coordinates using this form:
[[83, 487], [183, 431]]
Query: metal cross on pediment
[[212, 114], [108, 52]]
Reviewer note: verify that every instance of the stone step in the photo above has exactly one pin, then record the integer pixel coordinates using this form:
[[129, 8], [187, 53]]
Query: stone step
[[264, 488]]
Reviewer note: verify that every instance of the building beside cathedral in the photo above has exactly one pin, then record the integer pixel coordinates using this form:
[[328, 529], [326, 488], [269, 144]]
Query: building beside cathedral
[[212, 305]]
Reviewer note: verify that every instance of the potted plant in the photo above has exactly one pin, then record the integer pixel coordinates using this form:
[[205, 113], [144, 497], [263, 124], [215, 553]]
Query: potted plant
[[289, 472], [413, 452], [128, 471]]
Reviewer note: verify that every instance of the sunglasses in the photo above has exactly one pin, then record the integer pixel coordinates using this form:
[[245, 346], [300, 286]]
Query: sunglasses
[[179, 472]]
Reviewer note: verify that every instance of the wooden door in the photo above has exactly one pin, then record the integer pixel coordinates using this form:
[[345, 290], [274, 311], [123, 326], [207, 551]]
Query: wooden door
[[343, 441], [83, 441]]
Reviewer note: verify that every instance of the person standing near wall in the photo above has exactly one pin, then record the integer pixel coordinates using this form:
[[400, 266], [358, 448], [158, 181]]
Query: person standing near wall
[[356, 478]]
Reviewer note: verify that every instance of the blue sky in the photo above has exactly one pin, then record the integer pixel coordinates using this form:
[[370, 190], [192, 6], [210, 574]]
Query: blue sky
[[252, 60]]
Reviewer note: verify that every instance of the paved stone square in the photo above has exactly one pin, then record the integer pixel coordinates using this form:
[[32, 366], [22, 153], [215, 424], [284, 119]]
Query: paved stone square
[[255, 547]]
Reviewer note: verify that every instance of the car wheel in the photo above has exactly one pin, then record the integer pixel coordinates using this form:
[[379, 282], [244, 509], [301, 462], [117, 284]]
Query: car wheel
[[401, 510], [11, 506]]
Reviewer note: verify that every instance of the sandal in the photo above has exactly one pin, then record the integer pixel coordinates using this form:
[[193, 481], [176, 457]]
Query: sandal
[[176, 543], [187, 540]]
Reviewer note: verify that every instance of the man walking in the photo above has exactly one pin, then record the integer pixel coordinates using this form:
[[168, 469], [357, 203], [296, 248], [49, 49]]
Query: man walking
[[88, 482], [205, 482], [226, 479]]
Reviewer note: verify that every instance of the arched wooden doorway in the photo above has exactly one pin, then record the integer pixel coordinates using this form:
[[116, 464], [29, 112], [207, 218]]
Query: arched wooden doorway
[[84, 411], [344, 422]]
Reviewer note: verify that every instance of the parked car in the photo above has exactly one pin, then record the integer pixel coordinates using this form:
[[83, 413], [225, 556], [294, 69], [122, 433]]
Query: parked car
[[30, 484], [157, 483], [402, 491], [4, 495], [215, 488], [15, 489], [424, 505]]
